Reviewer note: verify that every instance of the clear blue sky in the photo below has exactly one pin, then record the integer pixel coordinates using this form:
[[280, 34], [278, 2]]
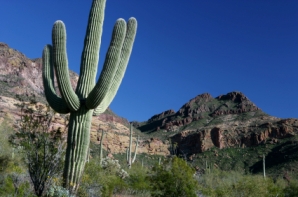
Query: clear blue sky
[[182, 48]]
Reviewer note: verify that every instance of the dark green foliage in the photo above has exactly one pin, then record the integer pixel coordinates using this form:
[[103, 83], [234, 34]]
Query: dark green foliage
[[9, 187], [291, 189], [138, 178], [174, 179], [6, 150], [4, 161]]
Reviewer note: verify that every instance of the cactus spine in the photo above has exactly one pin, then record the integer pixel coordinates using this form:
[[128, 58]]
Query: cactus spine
[[88, 98], [128, 152]]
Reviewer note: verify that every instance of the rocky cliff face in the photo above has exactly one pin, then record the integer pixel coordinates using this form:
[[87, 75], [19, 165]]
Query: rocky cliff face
[[222, 136], [230, 120]]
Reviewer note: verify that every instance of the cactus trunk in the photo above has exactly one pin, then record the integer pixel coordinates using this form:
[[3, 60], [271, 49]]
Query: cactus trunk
[[128, 152], [77, 147], [89, 98], [136, 150], [130, 147]]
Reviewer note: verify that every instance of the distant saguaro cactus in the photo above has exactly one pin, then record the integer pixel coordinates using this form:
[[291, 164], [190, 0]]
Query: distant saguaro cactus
[[88, 98], [128, 152]]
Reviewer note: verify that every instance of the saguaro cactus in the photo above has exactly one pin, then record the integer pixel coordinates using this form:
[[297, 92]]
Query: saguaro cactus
[[128, 152], [88, 98]]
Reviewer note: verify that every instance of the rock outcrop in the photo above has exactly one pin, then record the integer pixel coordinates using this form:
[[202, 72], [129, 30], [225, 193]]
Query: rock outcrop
[[201, 107], [200, 140]]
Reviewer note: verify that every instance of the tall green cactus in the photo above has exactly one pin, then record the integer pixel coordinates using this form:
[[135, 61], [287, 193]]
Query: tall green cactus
[[88, 98]]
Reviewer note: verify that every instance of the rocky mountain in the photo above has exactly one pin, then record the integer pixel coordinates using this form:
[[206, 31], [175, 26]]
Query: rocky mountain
[[203, 123], [230, 120]]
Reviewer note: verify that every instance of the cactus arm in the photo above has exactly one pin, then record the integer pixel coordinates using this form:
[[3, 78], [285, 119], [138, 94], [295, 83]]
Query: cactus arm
[[90, 54], [57, 103], [136, 150], [60, 62], [104, 82], [124, 58], [98, 110]]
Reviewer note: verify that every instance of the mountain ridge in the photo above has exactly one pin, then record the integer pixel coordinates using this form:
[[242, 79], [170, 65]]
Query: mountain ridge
[[203, 123]]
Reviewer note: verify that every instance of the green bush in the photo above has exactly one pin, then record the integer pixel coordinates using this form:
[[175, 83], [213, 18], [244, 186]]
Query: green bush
[[291, 190], [138, 181], [173, 178], [14, 181], [6, 150]]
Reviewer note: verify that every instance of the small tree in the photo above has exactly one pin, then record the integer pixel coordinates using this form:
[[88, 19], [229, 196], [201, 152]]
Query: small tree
[[43, 149]]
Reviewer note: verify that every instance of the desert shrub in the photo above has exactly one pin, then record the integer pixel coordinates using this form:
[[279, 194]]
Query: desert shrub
[[6, 150], [291, 189], [173, 178], [112, 166], [138, 180], [9, 189], [15, 181], [57, 191], [255, 185], [233, 184], [102, 180]]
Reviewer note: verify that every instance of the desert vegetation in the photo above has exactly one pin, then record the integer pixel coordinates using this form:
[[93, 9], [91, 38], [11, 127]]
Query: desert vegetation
[[32, 158]]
